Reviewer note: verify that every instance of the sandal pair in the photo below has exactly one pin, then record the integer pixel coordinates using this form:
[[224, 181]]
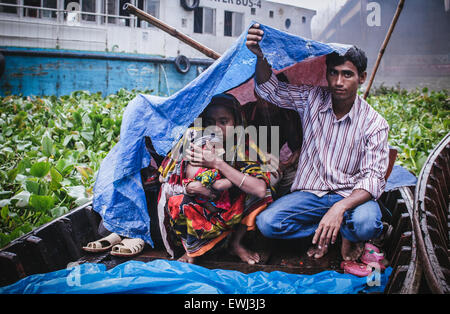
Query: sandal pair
[[118, 246], [372, 259]]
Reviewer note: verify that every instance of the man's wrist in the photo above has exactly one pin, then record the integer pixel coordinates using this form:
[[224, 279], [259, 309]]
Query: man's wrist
[[261, 58], [358, 197], [342, 206]]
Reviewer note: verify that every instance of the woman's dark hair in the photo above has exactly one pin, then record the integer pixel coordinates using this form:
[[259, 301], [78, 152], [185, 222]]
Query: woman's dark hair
[[354, 55], [231, 103]]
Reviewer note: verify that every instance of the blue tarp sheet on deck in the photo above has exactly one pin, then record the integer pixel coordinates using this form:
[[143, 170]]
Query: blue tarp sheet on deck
[[400, 177], [172, 277]]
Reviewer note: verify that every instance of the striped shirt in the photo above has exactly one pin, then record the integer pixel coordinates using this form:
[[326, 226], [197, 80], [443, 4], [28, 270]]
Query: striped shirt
[[337, 155]]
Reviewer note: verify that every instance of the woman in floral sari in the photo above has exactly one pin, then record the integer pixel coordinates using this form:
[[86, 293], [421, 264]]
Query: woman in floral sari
[[199, 228]]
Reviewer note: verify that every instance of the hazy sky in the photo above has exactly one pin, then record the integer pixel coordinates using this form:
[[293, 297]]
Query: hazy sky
[[325, 10]]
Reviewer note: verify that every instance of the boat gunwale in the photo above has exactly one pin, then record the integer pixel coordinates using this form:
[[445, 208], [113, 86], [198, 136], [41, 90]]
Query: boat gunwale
[[431, 266], [37, 229]]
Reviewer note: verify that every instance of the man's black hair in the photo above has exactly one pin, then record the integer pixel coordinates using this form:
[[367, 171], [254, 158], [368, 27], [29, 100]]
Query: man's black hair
[[354, 55], [282, 77]]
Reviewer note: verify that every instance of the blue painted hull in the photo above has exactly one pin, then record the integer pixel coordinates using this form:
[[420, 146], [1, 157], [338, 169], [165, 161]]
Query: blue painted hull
[[44, 72]]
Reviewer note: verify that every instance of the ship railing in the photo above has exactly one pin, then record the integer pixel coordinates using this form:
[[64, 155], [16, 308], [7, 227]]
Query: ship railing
[[71, 17]]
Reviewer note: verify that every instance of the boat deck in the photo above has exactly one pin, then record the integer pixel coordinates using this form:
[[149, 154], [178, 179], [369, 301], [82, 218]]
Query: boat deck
[[276, 255]]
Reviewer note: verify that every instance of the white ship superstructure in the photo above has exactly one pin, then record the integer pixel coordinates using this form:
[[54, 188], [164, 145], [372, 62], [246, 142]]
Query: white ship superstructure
[[103, 25]]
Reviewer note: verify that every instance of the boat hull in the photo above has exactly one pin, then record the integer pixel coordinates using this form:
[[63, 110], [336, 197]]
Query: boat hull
[[431, 216], [57, 245]]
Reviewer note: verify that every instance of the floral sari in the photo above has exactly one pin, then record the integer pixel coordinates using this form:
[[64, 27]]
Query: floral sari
[[199, 229]]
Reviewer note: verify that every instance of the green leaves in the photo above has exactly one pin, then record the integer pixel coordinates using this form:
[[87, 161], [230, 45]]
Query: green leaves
[[50, 150], [41, 203], [418, 120], [78, 193], [47, 145], [22, 199], [56, 178], [4, 212], [40, 169]]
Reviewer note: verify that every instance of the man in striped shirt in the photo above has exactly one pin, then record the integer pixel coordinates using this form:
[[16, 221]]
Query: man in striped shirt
[[343, 161]]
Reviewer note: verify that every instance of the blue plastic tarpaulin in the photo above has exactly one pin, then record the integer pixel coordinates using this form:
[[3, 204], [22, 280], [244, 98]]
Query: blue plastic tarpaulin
[[172, 277], [400, 177], [118, 193]]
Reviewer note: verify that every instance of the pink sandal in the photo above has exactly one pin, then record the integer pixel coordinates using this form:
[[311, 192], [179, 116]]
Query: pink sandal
[[370, 246], [355, 268], [373, 257]]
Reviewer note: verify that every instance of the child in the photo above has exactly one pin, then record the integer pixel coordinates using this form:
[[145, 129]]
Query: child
[[209, 178]]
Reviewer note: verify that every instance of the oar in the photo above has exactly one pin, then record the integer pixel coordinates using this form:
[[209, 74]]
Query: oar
[[383, 46], [172, 31]]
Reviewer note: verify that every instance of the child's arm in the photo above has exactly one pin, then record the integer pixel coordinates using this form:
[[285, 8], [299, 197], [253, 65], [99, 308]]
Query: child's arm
[[222, 184], [191, 170]]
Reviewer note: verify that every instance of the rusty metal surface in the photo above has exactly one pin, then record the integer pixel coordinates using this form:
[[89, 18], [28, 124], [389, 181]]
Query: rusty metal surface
[[59, 72], [431, 217]]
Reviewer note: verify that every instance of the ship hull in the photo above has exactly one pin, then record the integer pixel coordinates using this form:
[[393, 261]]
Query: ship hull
[[43, 72]]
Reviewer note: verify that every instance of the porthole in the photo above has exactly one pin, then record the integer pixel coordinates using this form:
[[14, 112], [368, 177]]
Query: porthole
[[287, 23]]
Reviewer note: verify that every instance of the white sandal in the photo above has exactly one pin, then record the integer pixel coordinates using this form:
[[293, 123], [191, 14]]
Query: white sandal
[[128, 247], [103, 244]]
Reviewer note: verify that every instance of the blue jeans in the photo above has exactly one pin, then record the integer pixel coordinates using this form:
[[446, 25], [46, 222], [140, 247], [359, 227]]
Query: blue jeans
[[297, 215]]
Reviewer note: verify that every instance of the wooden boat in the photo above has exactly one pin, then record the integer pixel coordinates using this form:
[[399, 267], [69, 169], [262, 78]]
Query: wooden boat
[[58, 243], [431, 217]]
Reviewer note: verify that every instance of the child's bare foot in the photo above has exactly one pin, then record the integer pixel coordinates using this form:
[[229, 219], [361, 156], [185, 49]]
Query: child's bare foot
[[187, 259], [351, 251], [244, 254], [317, 252]]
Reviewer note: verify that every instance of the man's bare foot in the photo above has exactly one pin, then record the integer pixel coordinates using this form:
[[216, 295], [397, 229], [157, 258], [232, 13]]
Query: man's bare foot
[[351, 251], [317, 252], [187, 259], [244, 254]]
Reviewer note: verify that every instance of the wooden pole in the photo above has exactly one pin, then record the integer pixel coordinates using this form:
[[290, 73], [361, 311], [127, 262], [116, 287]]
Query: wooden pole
[[172, 31], [384, 45]]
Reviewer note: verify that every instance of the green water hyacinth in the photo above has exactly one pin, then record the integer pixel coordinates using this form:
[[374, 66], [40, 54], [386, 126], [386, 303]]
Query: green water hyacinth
[[50, 151], [418, 120]]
